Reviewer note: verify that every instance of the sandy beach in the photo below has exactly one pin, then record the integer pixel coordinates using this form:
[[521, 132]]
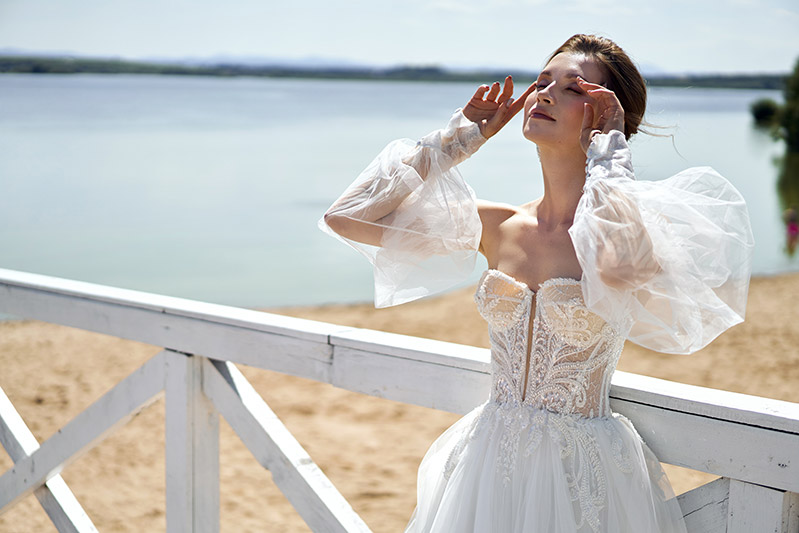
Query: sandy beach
[[370, 448]]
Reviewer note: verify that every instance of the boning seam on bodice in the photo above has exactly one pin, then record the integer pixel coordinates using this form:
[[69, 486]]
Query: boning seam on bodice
[[532, 316], [532, 320]]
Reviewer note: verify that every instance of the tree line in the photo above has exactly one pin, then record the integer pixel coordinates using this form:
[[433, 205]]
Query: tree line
[[66, 65]]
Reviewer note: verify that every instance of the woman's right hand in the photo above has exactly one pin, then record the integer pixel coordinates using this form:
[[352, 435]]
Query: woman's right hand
[[492, 109]]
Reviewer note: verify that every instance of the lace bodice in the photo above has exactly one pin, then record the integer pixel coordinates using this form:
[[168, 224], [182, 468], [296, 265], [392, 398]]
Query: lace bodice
[[548, 349]]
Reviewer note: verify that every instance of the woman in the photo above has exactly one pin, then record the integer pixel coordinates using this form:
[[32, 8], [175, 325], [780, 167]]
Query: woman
[[598, 258]]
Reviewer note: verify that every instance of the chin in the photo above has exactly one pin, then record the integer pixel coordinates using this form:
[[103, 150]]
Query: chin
[[551, 139], [532, 135]]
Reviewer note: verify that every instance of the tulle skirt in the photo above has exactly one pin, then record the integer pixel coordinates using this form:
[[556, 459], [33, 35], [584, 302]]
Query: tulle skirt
[[503, 469]]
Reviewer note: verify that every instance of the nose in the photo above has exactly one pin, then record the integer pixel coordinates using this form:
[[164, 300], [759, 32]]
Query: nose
[[545, 95]]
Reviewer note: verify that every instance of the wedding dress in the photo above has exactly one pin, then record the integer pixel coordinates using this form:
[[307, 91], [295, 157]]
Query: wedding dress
[[665, 264]]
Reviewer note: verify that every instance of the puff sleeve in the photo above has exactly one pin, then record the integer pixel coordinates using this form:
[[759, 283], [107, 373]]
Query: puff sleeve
[[667, 263], [419, 217]]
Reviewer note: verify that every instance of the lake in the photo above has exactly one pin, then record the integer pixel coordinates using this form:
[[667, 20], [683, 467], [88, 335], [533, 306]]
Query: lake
[[210, 188]]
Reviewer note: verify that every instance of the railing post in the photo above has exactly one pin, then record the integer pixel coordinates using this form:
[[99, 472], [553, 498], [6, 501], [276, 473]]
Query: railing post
[[192, 449], [762, 509]]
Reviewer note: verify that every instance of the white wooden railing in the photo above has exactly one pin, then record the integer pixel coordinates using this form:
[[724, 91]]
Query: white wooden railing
[[751, 442]]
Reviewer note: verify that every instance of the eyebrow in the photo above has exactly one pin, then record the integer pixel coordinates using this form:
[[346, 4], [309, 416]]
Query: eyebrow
[[570, 75], [549, 73]]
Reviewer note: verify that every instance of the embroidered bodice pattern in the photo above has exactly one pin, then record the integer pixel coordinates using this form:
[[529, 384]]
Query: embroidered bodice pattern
[[569, 354]]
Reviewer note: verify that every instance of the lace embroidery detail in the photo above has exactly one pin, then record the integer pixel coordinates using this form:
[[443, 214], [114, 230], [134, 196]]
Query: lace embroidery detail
[[622, 456], [573, 352], [522, 430], [584, 472]]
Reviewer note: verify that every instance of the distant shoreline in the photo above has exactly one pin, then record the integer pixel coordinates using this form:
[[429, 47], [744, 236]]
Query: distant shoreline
[[65, 65]]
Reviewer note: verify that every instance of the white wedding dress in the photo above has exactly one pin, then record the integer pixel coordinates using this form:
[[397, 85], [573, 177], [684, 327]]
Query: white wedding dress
[[545, 453]]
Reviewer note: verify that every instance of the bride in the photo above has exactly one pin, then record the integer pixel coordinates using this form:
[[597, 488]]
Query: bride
[[598, 259]]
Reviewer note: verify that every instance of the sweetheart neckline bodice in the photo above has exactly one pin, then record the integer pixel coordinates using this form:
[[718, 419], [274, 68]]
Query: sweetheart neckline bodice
[[562, 280], [550, 351]]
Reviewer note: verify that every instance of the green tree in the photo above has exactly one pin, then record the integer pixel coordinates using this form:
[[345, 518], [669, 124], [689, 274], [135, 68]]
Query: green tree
[[766, 112], [789, 114]]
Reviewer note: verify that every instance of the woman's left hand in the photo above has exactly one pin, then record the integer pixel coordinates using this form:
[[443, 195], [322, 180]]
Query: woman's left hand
[[602, 116]]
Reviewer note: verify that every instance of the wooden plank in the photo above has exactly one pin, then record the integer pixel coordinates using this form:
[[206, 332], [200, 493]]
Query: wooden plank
[[705, 508], [302, 482], [15, 436], [83, 432], [749, 453], [293, 346], [713, 403], [192, 449], [54, 496], [790, 517], [448, 388], [32, 284], [754, 508], [415, 348], [64, 510]]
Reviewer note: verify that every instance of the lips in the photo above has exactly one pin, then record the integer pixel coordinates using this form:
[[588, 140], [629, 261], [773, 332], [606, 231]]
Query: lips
[[537, 113]]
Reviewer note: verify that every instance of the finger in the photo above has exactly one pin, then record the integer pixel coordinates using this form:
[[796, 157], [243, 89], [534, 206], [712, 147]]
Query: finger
[[593, 89], [588, 85], [507, 90], [598, 92], [480, 92], [588, 117], [518, 104], [499, 119], [492, 94]]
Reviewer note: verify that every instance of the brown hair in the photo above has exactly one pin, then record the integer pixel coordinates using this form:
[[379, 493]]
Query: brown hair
[[623, 76]]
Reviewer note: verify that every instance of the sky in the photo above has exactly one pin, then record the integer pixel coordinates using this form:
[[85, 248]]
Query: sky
[[672, 36]]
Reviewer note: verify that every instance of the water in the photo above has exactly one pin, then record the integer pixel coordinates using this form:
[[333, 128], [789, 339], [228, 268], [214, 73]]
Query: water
[[210, 188]]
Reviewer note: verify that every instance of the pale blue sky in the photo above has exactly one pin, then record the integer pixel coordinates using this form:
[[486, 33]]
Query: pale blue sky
[[671, 35]]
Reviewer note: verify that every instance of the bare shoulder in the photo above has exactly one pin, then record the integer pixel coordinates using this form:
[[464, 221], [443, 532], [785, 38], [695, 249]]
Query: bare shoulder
[[494, 213], [492, 216]]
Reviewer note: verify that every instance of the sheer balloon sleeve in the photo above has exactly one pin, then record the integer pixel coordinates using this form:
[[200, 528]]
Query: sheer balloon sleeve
[[412, 215], [667, 263]]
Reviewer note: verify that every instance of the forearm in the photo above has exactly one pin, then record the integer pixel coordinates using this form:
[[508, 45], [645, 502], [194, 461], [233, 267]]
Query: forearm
[[399, 170], [625, 254], [357, 213]]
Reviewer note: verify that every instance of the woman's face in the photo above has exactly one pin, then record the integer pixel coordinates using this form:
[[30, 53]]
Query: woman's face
[[553, 112]]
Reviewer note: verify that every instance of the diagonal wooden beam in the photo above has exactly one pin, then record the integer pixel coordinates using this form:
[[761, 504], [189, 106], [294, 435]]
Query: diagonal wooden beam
[[705, 507], [55, 497], [311, 493], [83, 432]]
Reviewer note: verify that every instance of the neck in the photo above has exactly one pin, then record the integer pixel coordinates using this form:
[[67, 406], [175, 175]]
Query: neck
[[564, 178]]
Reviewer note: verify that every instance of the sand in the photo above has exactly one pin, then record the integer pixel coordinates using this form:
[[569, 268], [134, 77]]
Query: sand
[[370, 448]]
